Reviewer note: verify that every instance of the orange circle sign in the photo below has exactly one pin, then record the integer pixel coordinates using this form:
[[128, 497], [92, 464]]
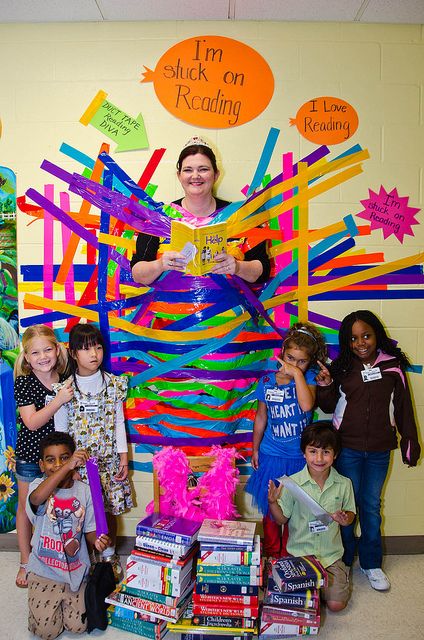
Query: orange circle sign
[[326, 120], [212, 81]]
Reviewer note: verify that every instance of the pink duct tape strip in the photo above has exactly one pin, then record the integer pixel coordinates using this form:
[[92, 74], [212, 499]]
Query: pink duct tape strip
[[96, 496], [48, 248], [66, 237]]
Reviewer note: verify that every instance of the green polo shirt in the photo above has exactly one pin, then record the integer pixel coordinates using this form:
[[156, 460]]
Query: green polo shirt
[[337, 494]]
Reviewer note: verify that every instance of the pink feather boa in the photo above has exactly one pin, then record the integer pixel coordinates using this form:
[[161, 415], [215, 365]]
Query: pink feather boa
[[212, 497]]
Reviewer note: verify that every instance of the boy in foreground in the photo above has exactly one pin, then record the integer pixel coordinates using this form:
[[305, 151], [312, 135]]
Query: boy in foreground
[[320, 445], [62, 514]]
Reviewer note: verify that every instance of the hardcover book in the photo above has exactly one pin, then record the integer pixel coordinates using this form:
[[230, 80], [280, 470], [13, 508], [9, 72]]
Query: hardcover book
[[228, 578], [228, 531], [130, 622], [165, 573], [225, 600], [287, 616], [227, 589], [168, 528], [224, 610], [253, 571], [230, 557], [171, 601], [160, 586], [199, 245], [278, 630], [170, 548], [307, 599], [223, 621], [152, 610], [298, 573]]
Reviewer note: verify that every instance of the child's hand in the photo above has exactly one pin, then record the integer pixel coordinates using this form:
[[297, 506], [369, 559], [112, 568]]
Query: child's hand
[[341, 517], [78, 459], [255, 460], [288, 369], [122, 473], [274, 492], [65, 393], [323, 378], [102, 542]]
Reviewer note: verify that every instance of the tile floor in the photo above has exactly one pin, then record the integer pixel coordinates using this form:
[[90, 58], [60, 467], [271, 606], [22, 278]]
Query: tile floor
[[395, 615]]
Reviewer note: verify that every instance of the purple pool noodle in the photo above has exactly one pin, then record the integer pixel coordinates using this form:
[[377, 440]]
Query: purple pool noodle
[[96, 496]]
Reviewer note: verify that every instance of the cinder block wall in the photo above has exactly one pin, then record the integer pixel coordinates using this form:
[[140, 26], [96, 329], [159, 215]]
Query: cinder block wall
[[51, 72]]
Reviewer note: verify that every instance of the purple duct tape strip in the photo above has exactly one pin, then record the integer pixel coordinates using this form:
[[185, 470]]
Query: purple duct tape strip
[[96, 496], [233, 438], [317, 318], [253, 300], [82, 232], [56, 171]]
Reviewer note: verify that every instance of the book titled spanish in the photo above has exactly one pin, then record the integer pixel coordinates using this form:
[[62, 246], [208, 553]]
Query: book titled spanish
[[307, 599], [298, 573], [238, 532], [199, 245], [168, 528]]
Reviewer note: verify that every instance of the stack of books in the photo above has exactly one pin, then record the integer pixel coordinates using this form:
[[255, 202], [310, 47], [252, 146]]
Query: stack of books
[[291, 599], [229, 574], [160, 574]]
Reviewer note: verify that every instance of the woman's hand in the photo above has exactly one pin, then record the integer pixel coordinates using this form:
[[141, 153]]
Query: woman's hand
[[323, 377], [123, 468], [225, 263], [173, 261]]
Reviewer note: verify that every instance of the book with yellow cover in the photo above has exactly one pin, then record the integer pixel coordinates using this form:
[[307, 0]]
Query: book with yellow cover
[[200, 245]]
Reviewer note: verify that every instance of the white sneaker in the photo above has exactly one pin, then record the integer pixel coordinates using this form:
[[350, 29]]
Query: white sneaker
[[378, 579]]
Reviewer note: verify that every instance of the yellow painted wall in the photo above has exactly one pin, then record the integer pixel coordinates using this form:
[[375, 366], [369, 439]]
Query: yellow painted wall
[[51, 72]]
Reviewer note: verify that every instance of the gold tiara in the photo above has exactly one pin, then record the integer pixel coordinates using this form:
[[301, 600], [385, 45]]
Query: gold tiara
[[197, 141]]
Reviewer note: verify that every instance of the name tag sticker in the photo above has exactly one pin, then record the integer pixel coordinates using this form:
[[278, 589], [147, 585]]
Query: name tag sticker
[[316, 526], [89, 406], [275, 395], [368, 375]]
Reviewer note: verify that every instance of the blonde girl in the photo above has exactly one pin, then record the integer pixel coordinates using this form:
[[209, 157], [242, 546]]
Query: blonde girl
[[285, 406], [41, 363]]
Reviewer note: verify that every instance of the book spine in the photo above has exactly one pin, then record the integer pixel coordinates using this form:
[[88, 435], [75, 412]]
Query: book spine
[[157, 571], [222, 621], [159, 545], [160, 586], [164, 536], [237, 612], [169, 601], [224, 589], [218, 540], [219, 569], [274, 629], [228, 578], [291, 599], [136, 626], [230, 557], [277, 617], [133, 603], [227, 600]]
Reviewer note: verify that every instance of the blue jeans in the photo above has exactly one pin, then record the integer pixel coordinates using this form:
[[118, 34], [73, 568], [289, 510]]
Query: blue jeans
[[367, 471], [27, 471]]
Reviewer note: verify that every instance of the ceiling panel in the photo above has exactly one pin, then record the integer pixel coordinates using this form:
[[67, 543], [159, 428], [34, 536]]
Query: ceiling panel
[[298, 10], [384, 11], [116, 10]]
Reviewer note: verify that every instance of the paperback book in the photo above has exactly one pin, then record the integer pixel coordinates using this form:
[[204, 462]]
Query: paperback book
[[158, 585], [227, 589], [199, 245], [237, 532], [277, 630], [165, 573], [130, 622], [168, 528], [225, 600], [298, 573], [224, 610], [223, 621], [170, 601], [228, 578], [253, 571], [170, 548]]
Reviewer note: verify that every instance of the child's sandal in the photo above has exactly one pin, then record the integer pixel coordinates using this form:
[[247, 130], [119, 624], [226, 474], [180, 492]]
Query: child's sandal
[[21, 579]]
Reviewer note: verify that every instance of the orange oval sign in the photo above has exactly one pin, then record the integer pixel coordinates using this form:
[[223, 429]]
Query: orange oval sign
[[326, 120], [212, 81]]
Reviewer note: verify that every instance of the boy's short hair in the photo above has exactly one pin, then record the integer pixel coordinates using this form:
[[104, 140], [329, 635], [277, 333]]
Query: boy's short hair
[[320, 434], [56, 438]]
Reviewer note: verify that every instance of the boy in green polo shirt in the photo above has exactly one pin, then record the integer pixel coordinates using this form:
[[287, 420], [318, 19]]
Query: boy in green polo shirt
[[320, 444]]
